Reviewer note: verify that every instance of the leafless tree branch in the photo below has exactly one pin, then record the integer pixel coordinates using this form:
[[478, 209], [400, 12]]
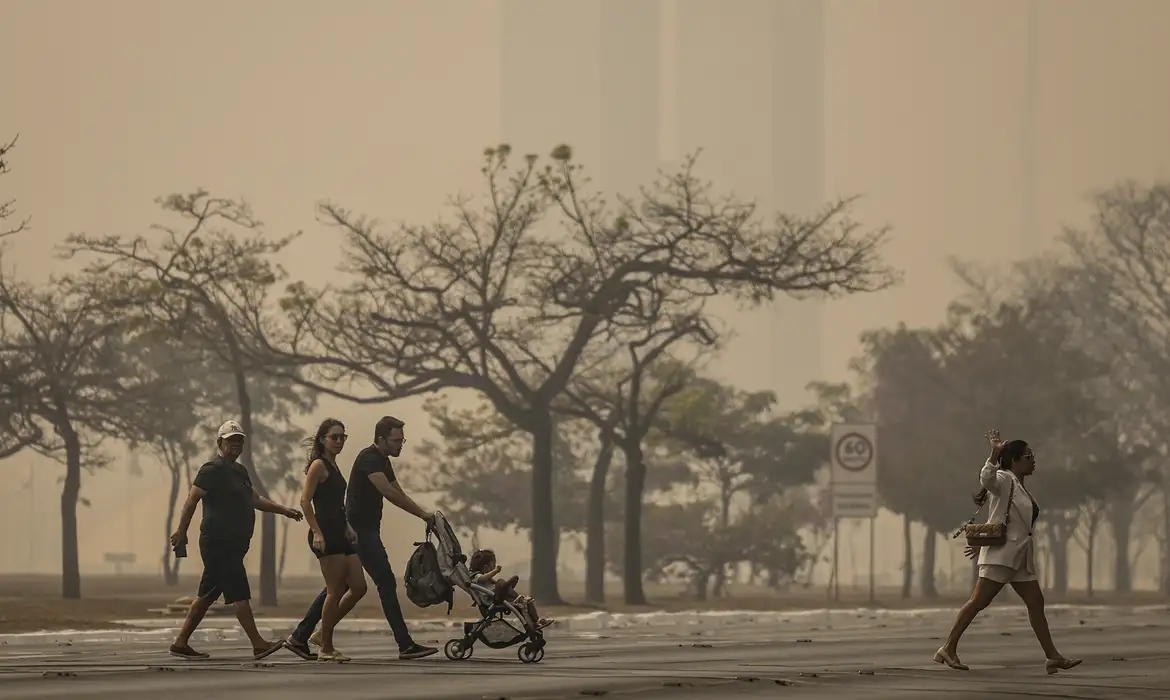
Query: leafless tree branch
[[8, 206]]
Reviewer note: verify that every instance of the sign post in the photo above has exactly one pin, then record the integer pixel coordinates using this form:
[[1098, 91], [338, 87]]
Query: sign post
[[853, 458]]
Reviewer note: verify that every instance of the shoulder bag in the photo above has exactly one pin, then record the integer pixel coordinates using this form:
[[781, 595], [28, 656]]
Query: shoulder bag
[[988, 534]]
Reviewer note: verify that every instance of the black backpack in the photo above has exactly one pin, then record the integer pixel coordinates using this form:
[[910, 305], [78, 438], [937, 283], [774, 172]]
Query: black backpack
[[424, 580]]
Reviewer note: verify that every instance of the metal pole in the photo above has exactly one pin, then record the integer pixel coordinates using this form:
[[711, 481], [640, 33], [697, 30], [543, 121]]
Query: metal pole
[[836, 558], [872, 597]]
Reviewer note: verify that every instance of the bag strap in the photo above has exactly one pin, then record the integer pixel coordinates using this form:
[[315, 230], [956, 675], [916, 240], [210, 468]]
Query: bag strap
[[1007, 519]]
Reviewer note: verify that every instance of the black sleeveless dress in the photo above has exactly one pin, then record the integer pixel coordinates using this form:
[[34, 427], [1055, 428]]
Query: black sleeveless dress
[[329, 507]]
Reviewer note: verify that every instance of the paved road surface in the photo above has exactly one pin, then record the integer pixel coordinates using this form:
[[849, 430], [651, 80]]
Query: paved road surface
[[1125, 656]]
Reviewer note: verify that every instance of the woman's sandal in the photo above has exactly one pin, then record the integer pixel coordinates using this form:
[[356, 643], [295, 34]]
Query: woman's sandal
[[1061, 664], [943, 657], [333, 657]]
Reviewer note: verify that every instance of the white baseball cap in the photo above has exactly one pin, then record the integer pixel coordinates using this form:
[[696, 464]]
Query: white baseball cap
[[229, 429]]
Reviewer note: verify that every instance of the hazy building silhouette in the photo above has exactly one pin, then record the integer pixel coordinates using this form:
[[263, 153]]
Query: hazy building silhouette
[[636, 86], [765, 61]]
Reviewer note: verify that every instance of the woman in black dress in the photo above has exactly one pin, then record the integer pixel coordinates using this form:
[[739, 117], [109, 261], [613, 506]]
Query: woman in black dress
[[330, 536]]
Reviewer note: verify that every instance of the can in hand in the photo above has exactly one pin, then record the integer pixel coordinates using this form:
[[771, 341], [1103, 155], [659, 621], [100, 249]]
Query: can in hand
[[180, 550]]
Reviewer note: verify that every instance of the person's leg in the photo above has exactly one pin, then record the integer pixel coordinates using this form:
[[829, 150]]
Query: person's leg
[[261, 647], [195, 614], [374, 560], [309, 622], [334, 570], [238, 593], [985, 592], [355, 581], [206, 595], [1033, 597]]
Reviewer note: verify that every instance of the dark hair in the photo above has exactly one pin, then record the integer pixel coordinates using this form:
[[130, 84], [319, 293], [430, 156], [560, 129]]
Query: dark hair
[[315, 446], [1011, 452], [480, 560], [386, 425]]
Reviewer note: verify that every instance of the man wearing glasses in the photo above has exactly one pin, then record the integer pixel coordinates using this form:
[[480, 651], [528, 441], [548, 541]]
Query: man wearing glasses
[[371, 480]]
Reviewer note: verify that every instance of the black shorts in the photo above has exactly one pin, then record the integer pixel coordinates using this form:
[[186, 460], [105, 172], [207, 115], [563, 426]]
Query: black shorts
[[223, 571], [335, 542]]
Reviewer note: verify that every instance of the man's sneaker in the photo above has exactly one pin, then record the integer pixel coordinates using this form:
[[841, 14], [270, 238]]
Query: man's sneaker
[[267, 650], [416, 651], [300, 648], [186, 652]]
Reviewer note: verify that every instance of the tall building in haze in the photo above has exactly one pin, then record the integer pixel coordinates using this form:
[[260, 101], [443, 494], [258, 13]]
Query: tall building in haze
[[635, 86]]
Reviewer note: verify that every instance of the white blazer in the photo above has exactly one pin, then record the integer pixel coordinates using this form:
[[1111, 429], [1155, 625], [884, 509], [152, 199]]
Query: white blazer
[[1019, 552]]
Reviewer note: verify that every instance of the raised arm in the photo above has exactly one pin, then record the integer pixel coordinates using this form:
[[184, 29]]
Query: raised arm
[[989, 476]]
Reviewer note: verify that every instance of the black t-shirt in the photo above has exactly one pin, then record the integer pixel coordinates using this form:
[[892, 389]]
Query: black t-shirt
[[228, 513], [363, 500]]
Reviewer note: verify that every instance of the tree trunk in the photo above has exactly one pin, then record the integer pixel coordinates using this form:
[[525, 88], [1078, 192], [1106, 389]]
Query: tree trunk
[[929, 546], [1059, 545], [1121, 522], [170, 563], [284, 526], [908, 559], [1090, 555], [70, 495], [1165, 553], [267, 520], [544, 531], [719, 584], [595, 525], [635, 594], [699, 583]]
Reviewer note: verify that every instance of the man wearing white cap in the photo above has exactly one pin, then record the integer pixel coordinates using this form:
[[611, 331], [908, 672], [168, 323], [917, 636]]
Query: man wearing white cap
[[230, 503]]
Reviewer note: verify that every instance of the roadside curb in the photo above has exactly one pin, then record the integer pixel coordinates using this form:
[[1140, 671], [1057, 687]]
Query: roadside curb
[[226, 629]]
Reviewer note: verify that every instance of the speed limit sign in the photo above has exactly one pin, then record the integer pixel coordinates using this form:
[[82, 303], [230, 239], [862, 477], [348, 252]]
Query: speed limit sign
[[853, 453]]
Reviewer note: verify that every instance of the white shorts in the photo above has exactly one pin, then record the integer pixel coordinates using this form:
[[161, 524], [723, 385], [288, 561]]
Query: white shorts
[[1005, 574]]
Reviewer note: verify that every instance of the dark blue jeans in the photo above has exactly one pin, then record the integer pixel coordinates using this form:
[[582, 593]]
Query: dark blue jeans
[[372, 554]]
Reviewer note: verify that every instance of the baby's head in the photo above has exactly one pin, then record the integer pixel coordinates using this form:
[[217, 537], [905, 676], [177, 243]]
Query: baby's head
[[482, 561]]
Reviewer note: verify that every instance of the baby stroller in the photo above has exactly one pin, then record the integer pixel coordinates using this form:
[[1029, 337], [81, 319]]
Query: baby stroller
[[501, 624]]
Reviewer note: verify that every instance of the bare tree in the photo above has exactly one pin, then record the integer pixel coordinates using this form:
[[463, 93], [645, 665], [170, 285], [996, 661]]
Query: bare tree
[[623, 397], [8, 206], [1092, 514], [493, 303], [1123, 257], [170, 430], [18, 386], [78, 380], [208, 283]]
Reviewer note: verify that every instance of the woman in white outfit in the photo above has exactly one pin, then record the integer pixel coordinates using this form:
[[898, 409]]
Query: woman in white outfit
[[1014, 562]]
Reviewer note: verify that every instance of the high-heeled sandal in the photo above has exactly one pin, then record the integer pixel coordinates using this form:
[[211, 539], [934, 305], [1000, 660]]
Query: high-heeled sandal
[[1061, 664], [943, 657]]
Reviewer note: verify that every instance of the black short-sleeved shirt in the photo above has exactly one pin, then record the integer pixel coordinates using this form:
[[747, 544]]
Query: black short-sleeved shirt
[[363, 500], [228, 512]]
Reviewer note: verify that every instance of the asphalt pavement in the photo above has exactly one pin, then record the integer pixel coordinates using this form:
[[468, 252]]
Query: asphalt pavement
[[865, 656]]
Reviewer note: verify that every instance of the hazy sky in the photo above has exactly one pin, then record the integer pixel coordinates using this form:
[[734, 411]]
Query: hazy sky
[[386, 105]]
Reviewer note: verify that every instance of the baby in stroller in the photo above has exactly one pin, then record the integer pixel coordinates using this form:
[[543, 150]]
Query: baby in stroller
[[484, 570], [506, 618]]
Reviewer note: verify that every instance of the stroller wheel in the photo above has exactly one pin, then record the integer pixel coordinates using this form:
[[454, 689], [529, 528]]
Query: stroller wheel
[[530, 653], [455, 650]]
